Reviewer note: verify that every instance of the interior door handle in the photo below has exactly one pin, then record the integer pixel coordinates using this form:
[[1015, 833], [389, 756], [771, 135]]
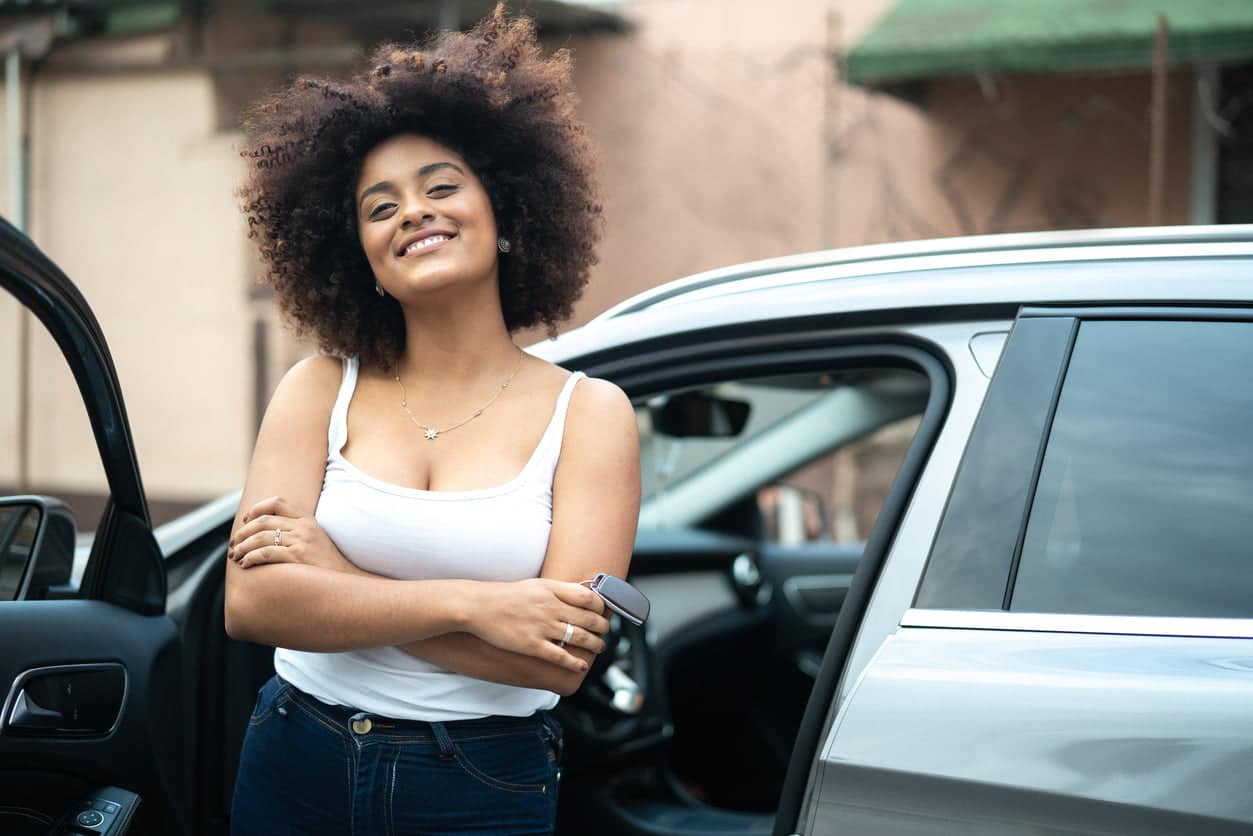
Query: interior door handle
[[29, 714], [65, 701]]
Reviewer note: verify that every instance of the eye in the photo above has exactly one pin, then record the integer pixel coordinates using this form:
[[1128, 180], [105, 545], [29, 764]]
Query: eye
[[380, 211], [442, 190]]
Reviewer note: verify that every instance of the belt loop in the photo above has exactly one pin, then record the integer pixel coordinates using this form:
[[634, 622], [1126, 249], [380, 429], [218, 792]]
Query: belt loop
[[444, 740]]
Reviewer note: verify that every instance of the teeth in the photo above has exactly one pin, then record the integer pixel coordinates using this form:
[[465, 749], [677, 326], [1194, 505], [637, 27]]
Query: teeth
[[425, 242]]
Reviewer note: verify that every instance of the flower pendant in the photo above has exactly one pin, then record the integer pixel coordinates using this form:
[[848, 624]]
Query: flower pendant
[[431, 433]]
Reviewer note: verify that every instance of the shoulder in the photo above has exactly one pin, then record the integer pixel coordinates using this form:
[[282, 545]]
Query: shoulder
[[601, 414], [311, 377], [595, 398], [310, 387]]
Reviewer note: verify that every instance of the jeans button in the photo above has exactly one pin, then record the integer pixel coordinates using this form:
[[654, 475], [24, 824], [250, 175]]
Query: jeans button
[[362, 725]]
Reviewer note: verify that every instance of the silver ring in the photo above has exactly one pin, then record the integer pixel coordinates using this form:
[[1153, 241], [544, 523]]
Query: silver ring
[[569, 634], [278, 536]]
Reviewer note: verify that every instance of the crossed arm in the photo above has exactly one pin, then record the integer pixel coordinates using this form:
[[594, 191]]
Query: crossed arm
[[306, 595]]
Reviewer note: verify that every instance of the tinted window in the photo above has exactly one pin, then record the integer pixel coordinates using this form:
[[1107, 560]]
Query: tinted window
[[970, 563], [1145, 499]]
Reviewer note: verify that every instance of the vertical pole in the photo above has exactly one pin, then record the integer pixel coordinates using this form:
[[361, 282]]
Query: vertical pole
[[13, 137], [449, 15], [1157, 138], [1204, 146], [15, 149], [830, 112]]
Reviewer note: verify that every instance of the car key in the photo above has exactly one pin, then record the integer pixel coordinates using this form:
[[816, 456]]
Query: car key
[[621, 597]]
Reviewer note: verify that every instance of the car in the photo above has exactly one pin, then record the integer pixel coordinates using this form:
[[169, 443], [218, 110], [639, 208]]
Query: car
[[940, 537]]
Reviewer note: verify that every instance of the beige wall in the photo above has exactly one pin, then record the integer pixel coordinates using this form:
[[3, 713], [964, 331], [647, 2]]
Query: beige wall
[[131, 194]]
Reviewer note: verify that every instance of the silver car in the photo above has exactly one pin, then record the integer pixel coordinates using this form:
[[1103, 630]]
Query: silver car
[[945, 537]]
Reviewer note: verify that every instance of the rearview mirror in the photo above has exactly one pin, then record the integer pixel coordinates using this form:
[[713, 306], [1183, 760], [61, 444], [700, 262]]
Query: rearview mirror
[[695, 414], [37, 536]]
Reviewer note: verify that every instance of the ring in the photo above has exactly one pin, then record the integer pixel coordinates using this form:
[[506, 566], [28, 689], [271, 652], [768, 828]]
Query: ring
[[278, 536], [569, 635]]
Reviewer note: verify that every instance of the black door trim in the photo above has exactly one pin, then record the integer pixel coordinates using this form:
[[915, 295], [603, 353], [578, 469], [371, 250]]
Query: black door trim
[[136, 580]]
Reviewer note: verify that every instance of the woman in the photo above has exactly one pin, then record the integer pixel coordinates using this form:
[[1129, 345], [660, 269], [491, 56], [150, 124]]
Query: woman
[[418, 514]]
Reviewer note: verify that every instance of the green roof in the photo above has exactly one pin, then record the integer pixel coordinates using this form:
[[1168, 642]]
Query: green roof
[[919, 39]]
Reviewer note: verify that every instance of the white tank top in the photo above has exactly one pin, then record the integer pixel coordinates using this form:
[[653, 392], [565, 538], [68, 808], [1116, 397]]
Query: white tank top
[[491, 534]]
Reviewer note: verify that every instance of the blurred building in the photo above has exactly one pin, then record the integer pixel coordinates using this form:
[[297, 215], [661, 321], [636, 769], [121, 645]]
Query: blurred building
[[728, 131]]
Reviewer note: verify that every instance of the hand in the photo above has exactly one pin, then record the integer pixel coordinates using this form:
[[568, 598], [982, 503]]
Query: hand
[[530, 617], [301, 539]]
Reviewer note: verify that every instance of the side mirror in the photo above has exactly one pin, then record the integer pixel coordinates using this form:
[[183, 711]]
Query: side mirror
[[695, 414], [37, 536]]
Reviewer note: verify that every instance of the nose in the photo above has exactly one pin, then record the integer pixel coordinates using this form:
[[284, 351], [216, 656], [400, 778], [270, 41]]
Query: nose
[[416, 212]]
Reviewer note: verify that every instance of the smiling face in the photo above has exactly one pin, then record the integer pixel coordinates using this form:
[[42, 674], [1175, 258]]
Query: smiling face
[[424, 220]]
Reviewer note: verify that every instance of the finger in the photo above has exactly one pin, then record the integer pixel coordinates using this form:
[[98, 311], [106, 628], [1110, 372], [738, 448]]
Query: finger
[[579, 596], [266, 523], [586, 640], [561, 657], [263, 543], [257, 540], [275, 505], [589, 621], [265, 539], [260, 557]]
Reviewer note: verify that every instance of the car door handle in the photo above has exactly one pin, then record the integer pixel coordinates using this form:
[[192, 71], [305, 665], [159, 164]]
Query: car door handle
[[65, 701]]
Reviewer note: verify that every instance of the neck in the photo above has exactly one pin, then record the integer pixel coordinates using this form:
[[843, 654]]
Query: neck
[[458, 339]]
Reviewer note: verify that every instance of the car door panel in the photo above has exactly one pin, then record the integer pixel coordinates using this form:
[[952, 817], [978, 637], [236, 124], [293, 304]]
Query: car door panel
[[143, 752], [811, 580], [1056, 732], [117, 616]]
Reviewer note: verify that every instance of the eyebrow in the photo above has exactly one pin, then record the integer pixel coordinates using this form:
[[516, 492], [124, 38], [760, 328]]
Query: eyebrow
[[385, 185]]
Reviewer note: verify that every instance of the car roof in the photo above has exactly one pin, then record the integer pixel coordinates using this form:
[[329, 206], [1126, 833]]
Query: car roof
[[972, 250], [1189, 265]]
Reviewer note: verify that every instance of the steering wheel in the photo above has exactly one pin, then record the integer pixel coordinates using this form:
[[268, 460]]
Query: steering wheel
[[618, 709]]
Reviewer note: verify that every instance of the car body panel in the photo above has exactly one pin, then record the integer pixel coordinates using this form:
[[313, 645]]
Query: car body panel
[[1152, 722]]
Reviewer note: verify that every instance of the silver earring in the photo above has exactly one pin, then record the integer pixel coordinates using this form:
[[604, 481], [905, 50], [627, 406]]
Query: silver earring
[[378, 288], [503, 244]]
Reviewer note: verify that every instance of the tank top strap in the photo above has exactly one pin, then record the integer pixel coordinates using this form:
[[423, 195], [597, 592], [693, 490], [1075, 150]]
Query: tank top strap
[[549, 448], [337, 431]]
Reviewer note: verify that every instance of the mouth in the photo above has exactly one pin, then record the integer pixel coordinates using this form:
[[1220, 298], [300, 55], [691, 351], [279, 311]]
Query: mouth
[[424, 242]]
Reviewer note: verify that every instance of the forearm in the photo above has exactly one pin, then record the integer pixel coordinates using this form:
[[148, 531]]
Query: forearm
[[310, 608], [469, 655]]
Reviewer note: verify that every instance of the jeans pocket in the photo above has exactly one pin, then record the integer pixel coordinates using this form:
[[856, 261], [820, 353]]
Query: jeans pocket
[[272, 697], [511, 763]]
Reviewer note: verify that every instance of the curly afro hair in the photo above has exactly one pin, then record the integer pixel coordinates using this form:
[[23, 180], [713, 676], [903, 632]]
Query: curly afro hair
[[490, 95]]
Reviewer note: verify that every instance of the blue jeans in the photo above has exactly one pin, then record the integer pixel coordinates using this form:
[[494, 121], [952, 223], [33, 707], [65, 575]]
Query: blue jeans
[[311, 768]]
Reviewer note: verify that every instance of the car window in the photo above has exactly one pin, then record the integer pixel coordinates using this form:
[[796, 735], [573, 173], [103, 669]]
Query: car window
[[46, 437], [837, 497], [1142, 504], [815, 453]]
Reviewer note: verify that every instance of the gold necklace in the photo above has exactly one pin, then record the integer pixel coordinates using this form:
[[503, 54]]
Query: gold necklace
[[431, 433]]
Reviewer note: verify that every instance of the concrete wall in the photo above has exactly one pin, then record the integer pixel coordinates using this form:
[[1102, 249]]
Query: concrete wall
[[710, 125], [722, 142]]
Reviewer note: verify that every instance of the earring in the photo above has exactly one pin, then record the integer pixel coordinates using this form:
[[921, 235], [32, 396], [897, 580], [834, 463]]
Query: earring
[[503, 244], [378, 288]]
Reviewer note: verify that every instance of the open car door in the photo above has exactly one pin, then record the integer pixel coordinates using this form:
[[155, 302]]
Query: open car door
[[93, 728]]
